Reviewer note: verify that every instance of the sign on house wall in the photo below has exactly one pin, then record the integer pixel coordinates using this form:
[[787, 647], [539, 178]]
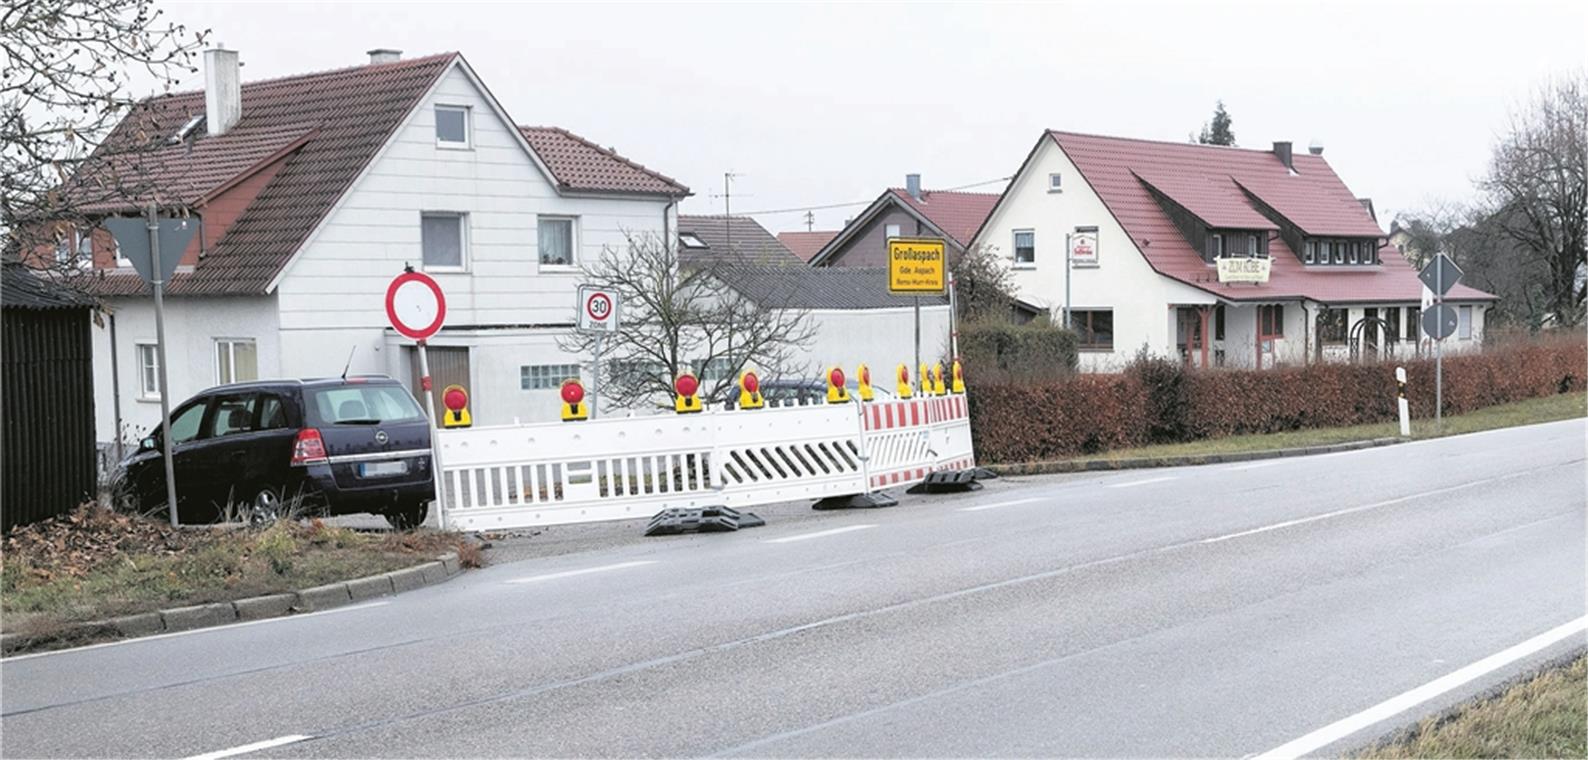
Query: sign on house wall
[[1083, 247], [1244, 270], [916, 266]]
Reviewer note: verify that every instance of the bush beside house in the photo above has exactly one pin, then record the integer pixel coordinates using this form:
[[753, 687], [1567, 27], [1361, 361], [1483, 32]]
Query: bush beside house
[[1161, 401]]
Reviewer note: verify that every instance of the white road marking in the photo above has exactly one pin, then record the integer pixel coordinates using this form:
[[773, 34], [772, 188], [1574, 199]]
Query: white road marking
[[586, 571], [1350, 510], [1255, 465], [817, 534], [996, 505], [247, 748], [1395, 705], [213, 629], [1134, 483]]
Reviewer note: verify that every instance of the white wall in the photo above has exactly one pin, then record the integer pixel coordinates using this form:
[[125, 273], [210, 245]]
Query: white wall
[[880, 338], [192, 326], [339, 279], [1122, 281]]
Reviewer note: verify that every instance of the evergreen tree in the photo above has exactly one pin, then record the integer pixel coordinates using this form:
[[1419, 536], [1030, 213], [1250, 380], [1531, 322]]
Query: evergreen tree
[[1218, 131]]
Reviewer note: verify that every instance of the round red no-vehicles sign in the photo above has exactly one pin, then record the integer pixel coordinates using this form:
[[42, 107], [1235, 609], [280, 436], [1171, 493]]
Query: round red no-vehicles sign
[[415, 305]]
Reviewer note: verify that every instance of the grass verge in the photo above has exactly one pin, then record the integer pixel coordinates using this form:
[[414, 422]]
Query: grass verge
[[1542, 716], [1532, 411], [95, 564]]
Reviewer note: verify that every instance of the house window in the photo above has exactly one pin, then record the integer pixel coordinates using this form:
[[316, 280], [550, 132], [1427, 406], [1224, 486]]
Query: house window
[[1025, 248], [1215, 246], [1253, 247], [1218, 322], [148, 371], [1332, 325], [452, 127], [1414, 316], [1339, 251], [691, 240], [556, 241], [1312, 252], [1094, 328], [1352, 252], [236, 361], [538, 377], [1055, 182], [1271, 321], [1392, 324], [441, 237], [1464, 323], [891, 231], [1370, 252]]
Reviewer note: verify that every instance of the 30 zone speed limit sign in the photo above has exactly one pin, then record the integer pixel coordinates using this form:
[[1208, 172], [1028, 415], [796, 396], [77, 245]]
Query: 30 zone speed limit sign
[[598, 309]]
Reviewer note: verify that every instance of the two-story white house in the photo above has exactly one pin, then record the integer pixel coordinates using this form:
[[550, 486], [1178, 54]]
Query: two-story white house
[[1219, 255], [312, 192]]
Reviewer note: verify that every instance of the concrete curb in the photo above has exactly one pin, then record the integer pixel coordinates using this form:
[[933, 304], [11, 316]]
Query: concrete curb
[[1136, 463], [443, 568]]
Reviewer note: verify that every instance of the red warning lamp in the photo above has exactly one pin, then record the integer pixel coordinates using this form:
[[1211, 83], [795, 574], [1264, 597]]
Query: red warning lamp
[[687, 385], [573, 406], [751, 382], [836, 392], [572, 392], [456, 400]]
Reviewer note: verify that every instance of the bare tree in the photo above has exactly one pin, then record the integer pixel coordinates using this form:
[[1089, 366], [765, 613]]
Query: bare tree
[[685, 317], [1537, 188], [68, 69], [983, 286]]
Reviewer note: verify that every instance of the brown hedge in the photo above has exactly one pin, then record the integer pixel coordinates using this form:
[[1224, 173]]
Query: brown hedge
[[1157, 401]]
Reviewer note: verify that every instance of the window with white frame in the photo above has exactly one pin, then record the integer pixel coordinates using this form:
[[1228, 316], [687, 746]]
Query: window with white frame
[[442, 238], [148, 371], [557, 243], [236, 360], [1339, 251], [1464, 323], [691, 240], [1025, 248], [537, 377], [891, 231], [1055, 182], [1312, 252], [452, 127]]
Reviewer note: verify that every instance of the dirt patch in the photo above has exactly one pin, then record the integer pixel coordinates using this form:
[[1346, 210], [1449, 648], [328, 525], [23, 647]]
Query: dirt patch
[[95, 563]]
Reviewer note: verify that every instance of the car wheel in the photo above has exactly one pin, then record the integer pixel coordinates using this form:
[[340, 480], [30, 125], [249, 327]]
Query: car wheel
[[265, 506], [407, 516]]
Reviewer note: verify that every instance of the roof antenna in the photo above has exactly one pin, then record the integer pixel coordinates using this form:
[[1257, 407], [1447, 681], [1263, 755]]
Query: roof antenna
[[349, 364]]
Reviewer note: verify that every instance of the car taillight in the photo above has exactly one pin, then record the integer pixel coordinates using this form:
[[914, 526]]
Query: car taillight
[[309, 448]]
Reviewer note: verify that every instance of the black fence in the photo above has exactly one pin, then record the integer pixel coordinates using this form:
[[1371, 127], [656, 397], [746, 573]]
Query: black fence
[[47, 392]]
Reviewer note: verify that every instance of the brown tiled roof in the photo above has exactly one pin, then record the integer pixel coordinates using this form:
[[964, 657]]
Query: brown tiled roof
[[957, 214], [1212, 182], [580, 165], [807, 244], [737, 240], [346, 115]]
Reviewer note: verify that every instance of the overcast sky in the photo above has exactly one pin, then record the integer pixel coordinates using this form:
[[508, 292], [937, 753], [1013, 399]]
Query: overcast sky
[[814, 105]]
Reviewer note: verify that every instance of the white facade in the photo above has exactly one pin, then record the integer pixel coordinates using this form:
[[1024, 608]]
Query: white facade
[[1121, 281], [879, 338], [1144, 303]]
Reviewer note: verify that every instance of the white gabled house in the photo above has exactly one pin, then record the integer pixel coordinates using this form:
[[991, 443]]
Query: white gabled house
[[1149, 224], [313, 191]]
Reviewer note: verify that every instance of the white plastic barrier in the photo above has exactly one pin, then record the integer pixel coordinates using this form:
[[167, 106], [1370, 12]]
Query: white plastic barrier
[[515, 476]]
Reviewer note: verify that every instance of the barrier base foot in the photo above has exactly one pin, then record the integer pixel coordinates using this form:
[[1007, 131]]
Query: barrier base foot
[[857, 501], [951, 481], [670, 522]]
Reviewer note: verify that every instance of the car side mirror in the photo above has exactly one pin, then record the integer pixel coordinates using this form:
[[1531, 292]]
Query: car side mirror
[[146, 444]]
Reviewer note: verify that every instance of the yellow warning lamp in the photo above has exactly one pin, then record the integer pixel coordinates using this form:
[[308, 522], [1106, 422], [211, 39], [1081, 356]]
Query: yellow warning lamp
[[959, 378], [937, 380], [926, 380], [456, 400], [836, 392], [905, 389], [750, 391], [688, 387], [573, 406], [863, 383]]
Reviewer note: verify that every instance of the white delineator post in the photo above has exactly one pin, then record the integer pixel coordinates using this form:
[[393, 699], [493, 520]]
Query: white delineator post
[[1400, 402], [435, 437]]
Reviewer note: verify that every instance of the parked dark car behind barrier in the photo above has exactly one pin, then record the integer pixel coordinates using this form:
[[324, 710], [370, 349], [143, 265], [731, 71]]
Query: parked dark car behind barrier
[[338, 445]]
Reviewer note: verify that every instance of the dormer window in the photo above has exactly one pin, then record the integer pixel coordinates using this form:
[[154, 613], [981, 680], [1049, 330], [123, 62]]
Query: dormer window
[[691, 240], [1354, 252]]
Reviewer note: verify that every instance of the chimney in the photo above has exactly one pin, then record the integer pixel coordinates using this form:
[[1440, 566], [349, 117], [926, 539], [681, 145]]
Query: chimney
[[1316, 147], [223, 90], [912, 184], [1282, 149], [384, 55]]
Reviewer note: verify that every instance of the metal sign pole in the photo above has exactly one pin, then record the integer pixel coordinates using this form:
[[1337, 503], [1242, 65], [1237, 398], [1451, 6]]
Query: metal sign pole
[[1066, 311], [1439, 354], [436, 473], [165, 385], [918, 333], [953, 320], [595, 378]]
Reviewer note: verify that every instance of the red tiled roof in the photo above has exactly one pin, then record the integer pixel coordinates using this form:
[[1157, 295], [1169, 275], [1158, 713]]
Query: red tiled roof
[[355, 111], [957, 214], [580, 165], [1202, 178], [807, 244]]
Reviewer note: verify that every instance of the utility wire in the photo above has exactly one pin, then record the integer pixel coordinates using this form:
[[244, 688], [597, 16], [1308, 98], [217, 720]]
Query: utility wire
[[868, 201]]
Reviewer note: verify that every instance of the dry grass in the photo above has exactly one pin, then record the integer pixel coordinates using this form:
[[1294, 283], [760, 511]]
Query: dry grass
[[1545, 716]]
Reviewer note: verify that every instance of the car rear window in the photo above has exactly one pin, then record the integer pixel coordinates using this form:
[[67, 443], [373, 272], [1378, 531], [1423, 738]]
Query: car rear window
[[361, 404]]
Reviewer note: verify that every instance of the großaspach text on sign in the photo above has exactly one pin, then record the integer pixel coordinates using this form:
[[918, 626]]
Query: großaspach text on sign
[[916, 266]]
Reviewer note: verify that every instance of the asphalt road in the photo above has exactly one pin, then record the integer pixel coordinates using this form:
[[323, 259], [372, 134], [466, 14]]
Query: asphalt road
[[1224, 610]]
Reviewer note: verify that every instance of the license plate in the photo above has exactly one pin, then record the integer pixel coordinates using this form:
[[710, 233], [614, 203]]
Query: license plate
[[382, 469]]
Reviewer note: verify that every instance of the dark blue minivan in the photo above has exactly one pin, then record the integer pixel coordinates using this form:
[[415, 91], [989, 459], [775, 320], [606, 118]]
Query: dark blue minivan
[[269, 448]]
